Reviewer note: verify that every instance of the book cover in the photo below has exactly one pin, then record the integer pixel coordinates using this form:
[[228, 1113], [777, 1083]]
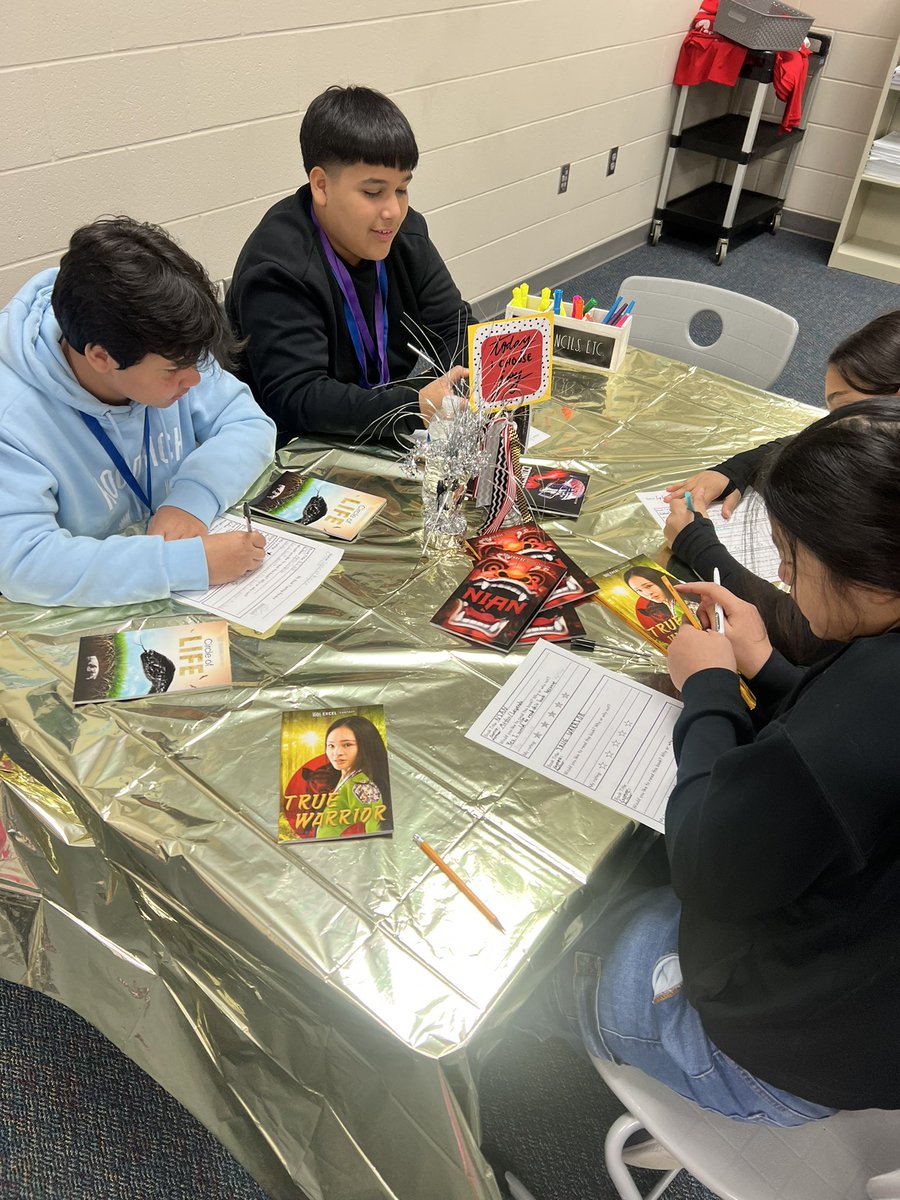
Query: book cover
[[553, 491], [496, 601], [335, 781], [642, 593], [145, 662], [341, 512], [531, 541], [557, 625]]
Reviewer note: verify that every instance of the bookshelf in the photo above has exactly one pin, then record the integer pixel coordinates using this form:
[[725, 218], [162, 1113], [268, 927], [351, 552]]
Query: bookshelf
[[868, 241]]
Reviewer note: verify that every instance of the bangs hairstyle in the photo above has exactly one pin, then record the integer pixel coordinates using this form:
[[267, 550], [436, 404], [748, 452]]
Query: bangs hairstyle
[[835, 490], [126, 286], [869, 360], [348, 125]]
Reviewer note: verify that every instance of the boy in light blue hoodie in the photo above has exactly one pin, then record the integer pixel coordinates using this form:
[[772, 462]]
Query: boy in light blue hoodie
[[115, 410]]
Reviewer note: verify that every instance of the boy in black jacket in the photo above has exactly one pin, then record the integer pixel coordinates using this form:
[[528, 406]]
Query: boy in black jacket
[[337, 280]]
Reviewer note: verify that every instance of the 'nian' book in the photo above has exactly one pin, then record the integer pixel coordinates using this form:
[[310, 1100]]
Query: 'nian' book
[[496, 601]]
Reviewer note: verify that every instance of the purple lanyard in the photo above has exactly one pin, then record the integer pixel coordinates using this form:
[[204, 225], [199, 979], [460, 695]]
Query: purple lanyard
[[366, 350]]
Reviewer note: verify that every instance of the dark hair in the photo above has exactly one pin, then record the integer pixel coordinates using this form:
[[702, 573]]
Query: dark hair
[[127, 286], [347, 125], [371, 754], [869, 359], [834, 489], [650, 573]]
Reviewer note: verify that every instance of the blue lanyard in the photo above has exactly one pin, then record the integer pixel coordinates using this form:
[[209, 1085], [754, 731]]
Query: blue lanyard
[[367, 351], [145, 497]]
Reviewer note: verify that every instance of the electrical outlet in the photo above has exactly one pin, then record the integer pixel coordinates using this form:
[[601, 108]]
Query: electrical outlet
[[612, 160], [563, 178]]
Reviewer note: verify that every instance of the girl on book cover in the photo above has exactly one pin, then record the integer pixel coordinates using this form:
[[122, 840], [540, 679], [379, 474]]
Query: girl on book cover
[[655, 608], [355, 748]]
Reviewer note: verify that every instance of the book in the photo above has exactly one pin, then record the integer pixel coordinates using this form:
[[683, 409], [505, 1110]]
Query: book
[[146, 662], [642, 593], [496, 601], [558, 625], [553, 491], [335, 780], [330, 508], [531, 541]]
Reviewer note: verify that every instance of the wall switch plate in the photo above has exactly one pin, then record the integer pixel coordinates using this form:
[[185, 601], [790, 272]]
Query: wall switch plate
[[563, 178], [612, 160]]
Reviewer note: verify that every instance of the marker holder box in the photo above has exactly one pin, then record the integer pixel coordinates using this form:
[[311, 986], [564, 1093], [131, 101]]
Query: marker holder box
[[584, 343]]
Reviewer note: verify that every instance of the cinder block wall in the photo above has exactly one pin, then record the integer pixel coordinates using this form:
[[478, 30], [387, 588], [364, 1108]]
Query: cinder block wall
[[187, 114]]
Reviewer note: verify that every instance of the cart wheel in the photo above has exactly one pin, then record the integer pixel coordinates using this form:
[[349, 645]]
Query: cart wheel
[[655, 232], [775, 223], [721, 251]]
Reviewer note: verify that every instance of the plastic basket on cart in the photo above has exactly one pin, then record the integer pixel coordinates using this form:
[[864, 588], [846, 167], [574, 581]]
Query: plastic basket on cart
[[762, 24]]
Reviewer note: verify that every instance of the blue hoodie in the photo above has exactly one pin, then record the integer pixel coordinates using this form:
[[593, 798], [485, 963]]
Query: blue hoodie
[[63, 504]]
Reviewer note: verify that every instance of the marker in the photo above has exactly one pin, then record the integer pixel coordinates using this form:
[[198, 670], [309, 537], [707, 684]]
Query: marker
[[546, 300], [689, 501], [455, 879], [612, 308], [589, 304], [620, 320], [719, 610], [557, 301], [577, 307]]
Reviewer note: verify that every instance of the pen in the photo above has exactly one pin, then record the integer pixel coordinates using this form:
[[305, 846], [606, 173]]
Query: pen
[[247, 516], [588, 645], [719, 610], [746, 695], [455, 879], [620, 319], [612, 308]]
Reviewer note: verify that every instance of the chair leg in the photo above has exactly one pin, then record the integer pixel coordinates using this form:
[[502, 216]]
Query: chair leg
[[517, 1190], [619, 1133]]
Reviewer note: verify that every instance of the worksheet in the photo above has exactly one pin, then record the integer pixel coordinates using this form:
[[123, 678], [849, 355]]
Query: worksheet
[[293, 568], [588, 729], [746, 535]]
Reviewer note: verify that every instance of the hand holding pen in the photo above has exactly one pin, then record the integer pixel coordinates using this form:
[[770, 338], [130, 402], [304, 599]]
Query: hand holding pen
[[742, 626]]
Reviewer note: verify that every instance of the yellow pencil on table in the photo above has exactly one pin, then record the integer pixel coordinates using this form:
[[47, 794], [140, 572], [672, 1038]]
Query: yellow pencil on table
[[455, 879]]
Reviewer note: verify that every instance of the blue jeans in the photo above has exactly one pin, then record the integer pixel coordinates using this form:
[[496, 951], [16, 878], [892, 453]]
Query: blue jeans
[[618, 994]]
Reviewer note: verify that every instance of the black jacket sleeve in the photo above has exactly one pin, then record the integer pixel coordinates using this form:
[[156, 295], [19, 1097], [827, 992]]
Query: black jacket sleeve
[[743, 468], [742, 805], [289, 352]]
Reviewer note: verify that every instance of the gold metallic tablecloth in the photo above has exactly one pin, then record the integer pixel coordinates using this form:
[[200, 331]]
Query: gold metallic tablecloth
[[322, 1008]]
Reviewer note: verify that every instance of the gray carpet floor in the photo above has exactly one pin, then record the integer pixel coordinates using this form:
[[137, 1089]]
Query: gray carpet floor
[[78, 1121]]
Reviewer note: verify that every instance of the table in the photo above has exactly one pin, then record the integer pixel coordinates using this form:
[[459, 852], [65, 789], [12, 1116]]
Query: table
[[324, 1008]]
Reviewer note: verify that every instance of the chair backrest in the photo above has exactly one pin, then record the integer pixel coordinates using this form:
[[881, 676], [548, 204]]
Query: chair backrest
[[756, 339]]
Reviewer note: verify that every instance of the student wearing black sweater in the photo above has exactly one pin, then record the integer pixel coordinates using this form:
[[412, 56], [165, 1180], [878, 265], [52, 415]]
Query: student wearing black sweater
[[865, 364], [763, 983], [338, 280]]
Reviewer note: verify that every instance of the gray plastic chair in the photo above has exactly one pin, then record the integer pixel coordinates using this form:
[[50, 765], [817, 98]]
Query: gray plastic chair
[[756, 339], [834, 1159]]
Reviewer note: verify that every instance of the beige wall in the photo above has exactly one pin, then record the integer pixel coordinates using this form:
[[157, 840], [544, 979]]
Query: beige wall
[[187, 114]]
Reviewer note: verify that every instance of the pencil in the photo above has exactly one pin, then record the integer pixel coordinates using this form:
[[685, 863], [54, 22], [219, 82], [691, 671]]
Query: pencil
[[746, 695], [455, 879]]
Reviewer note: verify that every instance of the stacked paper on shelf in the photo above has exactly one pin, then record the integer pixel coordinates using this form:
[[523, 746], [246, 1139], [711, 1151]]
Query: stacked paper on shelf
[[884, 157]]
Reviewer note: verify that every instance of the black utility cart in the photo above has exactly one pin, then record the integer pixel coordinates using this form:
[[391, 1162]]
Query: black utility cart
[[720, 209]]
